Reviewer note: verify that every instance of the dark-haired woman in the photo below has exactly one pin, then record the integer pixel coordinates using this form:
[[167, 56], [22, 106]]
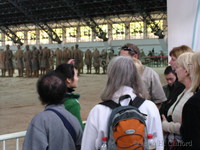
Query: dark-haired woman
[[47, 131], [71, 79]]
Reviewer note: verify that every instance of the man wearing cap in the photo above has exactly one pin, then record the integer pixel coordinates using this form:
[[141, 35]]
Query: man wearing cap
[[149, 76]]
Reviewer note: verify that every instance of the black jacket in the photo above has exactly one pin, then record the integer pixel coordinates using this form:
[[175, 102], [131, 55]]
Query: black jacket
[[177, 89], [190, 128]]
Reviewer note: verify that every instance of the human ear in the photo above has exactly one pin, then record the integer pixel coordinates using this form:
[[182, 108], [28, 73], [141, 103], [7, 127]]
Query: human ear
[[187, 72], [68, 81]]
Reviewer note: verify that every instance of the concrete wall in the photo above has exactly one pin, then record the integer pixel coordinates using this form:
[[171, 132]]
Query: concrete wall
[[183, 23]]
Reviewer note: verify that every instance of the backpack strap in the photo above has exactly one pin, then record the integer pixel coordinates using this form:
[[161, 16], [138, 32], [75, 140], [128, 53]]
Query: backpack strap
[[110, 103], [66, 123], [137, 102], [124, 97]]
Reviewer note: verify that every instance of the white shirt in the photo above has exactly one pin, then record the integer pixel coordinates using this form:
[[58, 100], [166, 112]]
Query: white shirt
[[176, 112], [97, 121]]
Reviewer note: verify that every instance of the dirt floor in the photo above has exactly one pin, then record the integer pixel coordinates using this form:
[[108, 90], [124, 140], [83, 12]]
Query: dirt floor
[[19, 100]]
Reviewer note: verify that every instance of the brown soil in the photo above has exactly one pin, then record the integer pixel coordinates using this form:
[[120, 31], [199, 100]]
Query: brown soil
[[19, 101]]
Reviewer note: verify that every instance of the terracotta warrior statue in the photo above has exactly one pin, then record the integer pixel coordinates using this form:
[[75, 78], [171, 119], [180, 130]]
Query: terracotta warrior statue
[[19, 56]]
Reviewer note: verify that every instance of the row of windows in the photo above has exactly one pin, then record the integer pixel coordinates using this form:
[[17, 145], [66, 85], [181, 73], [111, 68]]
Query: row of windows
[[136, 31]]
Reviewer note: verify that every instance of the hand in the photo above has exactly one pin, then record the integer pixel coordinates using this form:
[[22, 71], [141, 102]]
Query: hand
[[164, 124], [71, 61], [164, 118]]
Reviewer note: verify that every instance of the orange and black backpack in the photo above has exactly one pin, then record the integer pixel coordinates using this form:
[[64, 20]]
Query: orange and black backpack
[[126, 127]]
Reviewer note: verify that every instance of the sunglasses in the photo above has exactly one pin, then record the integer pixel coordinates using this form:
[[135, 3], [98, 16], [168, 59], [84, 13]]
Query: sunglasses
[[126, 48]]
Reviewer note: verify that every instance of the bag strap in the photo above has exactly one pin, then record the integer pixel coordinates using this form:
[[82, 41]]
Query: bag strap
[[124, 97], [110, 103], [137, 102], [66, 123]]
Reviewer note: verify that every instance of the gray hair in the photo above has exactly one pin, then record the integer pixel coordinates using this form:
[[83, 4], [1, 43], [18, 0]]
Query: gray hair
[[123, 72]]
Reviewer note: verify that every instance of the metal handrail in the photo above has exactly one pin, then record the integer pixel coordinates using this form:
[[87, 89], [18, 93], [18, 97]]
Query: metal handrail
[[11, 136], [16, 136]]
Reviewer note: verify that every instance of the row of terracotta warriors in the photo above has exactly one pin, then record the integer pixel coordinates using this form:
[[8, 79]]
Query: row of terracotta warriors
[[43, 59]]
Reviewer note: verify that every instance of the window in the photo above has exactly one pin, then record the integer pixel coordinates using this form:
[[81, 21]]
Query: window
[[86, 34], [118, 31], [20, 34], [31, 37], [136, 30], [71, 34], [105, 30], [58, 31], [150, 32], [8, 40], [44, 38]]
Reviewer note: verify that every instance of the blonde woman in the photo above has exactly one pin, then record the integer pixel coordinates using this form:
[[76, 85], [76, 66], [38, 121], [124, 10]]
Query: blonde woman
[[174, 115], [176, 52], [190, 128]]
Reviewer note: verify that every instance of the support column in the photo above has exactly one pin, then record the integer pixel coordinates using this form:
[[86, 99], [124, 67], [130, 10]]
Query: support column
[[3, 39], [37, 32], [50, 40], [63, 35], [164, 26], [127, 30], [145, 36], [78, 34], [110, 31], [25, 37], [93, 36]]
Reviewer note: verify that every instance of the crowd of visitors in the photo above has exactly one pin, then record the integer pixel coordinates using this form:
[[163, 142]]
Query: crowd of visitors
[[170, 112]]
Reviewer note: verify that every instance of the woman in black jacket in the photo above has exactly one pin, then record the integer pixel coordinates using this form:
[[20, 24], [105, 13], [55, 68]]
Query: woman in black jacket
[[190, 128]]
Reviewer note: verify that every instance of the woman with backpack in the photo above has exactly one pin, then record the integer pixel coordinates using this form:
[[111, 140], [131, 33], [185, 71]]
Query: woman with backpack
[[124, 87]]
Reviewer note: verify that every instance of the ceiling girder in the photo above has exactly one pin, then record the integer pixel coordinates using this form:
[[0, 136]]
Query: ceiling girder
[[50, 32], [142, 7], [7, 31], [89, 22], [44, 26], [50, 10], [18, 12], [154, 26]]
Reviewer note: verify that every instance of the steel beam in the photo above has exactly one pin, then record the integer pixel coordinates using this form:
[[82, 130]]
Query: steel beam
[[44, 26]]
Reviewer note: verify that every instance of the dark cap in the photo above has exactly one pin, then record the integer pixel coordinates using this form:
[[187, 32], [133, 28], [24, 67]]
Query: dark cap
[[130, 49]]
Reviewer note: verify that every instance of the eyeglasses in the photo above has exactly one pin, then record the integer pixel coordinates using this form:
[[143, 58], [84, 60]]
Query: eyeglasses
[[126, 48]]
